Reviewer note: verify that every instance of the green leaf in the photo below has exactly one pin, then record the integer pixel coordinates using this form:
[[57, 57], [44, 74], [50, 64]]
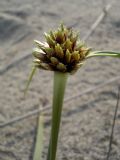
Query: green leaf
[[30, 79], [59, 89], [104, 53], [39, 139]]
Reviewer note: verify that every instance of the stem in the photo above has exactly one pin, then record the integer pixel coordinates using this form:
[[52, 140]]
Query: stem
[[59, 89]]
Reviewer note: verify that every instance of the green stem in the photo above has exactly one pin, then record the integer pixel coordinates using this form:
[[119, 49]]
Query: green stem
[[59, 89]]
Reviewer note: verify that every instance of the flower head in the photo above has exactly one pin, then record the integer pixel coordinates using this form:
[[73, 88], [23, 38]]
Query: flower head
[[62, 51]]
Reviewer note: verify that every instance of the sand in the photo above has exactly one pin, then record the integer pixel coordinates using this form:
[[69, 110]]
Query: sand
[[86, 120]]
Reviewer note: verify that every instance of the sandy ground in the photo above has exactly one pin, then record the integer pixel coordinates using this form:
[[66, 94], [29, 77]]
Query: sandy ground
[[87, 119]]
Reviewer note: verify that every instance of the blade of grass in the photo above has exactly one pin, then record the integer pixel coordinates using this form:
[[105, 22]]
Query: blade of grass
[[104, 53], [113, 126], [59, 89], [39, 140]]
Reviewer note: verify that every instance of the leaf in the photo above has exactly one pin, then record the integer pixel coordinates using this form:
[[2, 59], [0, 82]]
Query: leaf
[[104, 53], [30, 79], [39, 139]]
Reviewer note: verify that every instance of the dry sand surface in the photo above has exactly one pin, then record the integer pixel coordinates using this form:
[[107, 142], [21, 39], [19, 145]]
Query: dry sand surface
[[86, 121]]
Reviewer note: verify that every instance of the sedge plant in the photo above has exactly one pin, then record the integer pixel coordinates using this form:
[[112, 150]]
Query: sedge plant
[[64, 53]]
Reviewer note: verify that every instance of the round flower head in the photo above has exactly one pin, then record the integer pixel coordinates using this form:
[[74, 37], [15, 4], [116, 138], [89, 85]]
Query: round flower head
[[62, 51]]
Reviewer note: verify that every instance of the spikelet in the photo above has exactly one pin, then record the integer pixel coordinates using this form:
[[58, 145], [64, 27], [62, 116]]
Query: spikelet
[[62, 51]]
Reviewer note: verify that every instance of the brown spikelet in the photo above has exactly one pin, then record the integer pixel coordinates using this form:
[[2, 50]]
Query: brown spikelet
[[62, 51]]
